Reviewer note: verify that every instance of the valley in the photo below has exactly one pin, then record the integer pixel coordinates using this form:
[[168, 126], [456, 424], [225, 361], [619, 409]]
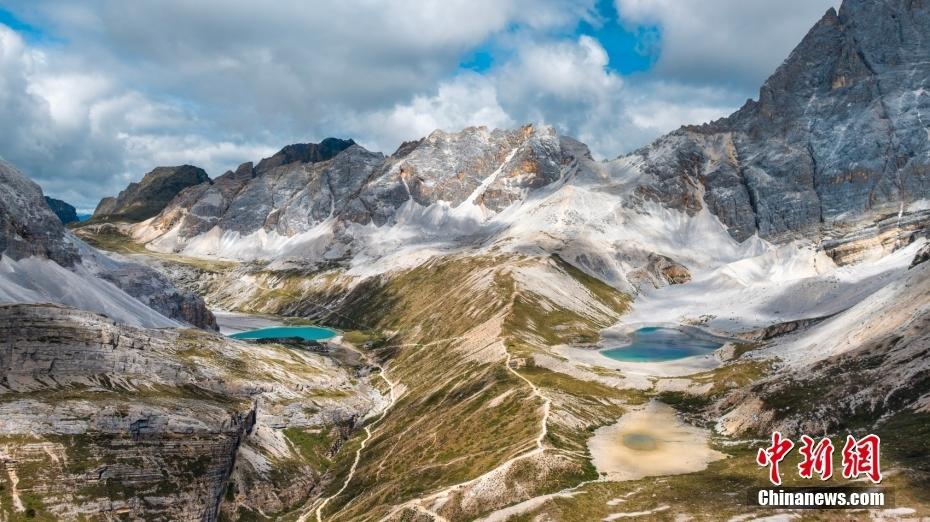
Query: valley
[[490, 324]]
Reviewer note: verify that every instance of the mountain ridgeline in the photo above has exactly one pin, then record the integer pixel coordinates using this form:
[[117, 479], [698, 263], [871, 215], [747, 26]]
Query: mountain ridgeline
[[836, 134], [146, 198], [65, 212], [835, 142]]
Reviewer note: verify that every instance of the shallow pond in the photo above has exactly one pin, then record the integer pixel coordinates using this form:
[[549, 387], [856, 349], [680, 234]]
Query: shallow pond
[[657, 343], [650, 441]]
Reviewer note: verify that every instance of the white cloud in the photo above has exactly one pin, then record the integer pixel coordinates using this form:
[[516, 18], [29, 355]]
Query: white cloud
[[69, 96], [147, 150], [564, 83], [567, 84], [724, 41], [657, 107], [83, 135], [467, 100], [218, 82]]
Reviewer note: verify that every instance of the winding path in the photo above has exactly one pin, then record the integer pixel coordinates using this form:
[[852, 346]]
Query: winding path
[[547, 405], [417, 503], [368, 430], [358, 452]]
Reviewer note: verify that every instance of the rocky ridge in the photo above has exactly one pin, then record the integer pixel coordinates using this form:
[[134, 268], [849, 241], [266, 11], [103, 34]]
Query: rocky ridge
[[47, 263], [102, 420], [65, 212], [835, 136], [288, 195], [833, 151], [149, 196]]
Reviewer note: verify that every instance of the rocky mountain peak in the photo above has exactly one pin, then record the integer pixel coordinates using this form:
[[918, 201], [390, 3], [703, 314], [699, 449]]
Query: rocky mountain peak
[[142, 200], [835, 138], [835, 142], [65, 212], [305, 153], [406, 148], [44, 262], [28, 227]]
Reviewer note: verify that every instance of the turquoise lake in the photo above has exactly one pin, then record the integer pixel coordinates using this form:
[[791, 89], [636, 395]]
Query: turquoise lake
[[307, 333], [653, 344]]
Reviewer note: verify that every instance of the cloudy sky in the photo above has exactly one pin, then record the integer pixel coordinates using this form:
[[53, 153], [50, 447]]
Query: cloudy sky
[[93, 94]]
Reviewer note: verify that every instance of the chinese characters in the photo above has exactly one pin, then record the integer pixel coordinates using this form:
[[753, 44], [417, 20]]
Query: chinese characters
[[859, 457]]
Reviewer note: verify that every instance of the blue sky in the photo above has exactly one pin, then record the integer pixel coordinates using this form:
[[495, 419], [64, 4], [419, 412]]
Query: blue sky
[[630, 49], [103, 90], [28, 32]]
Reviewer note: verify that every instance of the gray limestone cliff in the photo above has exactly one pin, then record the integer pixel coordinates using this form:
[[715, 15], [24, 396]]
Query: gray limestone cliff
[[99, 420], [836, 136], [492, 168]]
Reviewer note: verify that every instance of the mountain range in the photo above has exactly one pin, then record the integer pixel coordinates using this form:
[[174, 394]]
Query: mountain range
[[475, 276]]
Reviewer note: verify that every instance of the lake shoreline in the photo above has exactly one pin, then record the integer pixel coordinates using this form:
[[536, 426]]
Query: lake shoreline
[[236, 322], [675, 368], [662, 344]]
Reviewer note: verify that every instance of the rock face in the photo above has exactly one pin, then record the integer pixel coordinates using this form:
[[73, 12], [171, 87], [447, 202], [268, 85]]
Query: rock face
[[47, 263], [922, 256], [659, 271], [300, 176], [301, 187], [99, 420], [489, 168], [65, 212], [148, 197], [836, 135], [305, 153], [27, 225]]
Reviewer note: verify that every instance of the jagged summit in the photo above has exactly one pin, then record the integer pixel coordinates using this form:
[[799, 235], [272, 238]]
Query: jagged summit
[[835, 140], [836, 135], [303, 186], [142, 200], [305, 153]]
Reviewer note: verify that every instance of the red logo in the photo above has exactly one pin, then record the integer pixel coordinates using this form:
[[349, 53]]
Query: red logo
[[817, 458], [859, 457], [773, 455]]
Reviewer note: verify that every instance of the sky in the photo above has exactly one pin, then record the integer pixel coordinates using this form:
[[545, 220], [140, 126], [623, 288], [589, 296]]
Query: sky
[[95, 93]]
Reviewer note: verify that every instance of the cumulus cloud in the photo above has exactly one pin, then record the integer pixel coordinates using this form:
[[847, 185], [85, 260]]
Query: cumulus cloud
[[119, 88], [724, 41], [82, 135], [567, 84], [564, 83], [467, 100]]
